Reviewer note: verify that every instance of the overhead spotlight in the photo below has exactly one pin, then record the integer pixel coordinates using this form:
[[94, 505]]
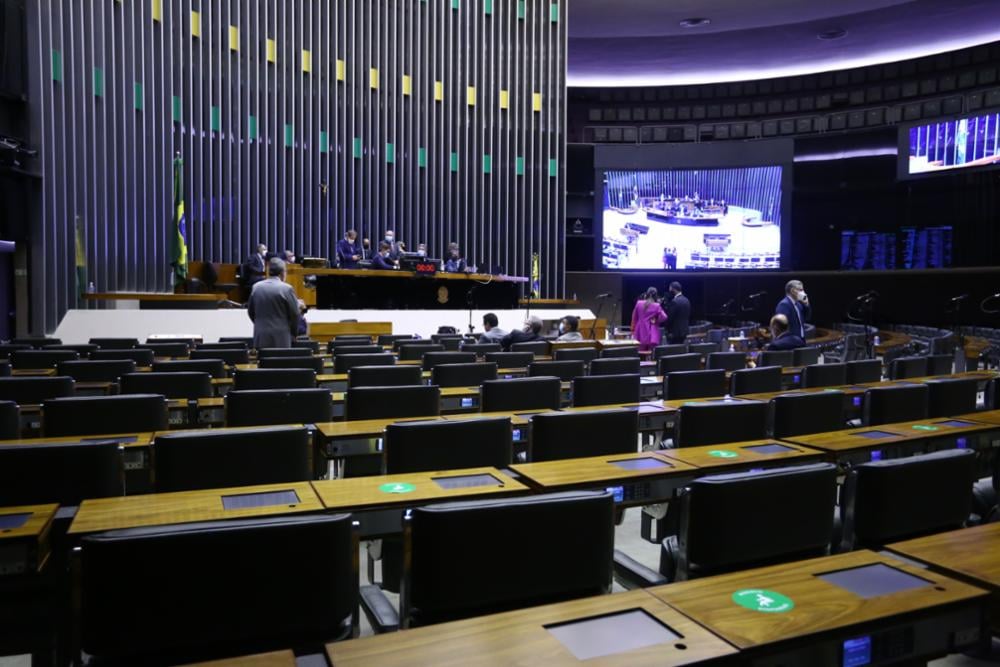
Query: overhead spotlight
[[697, 22], [831, 34]]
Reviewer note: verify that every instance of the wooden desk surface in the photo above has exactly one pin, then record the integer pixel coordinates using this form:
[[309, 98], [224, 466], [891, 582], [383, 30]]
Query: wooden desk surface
[[848, 439], [819, 606], [985, 417], [521, 638], [517, 419], [398, 273], [644, 407], [388, 490], [362, 428], [151, 296], [446, 392], [37, 523], [596, 470], [939, 426], [973, 553], [125, 439], [161, 509], [738, 454], [275, 659]]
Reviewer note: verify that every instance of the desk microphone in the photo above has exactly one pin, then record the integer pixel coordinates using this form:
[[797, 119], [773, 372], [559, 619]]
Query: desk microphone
[[606, 295], [961, 297], [758, 295]]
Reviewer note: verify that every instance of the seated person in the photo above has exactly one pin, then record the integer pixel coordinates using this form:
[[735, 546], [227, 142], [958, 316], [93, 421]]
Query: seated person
[[288, 256], [531, 331], [382, 258], [303, 326], [348, 253], [422, 249], [781, 337], [494, 334], [569, 328], [455, 263]]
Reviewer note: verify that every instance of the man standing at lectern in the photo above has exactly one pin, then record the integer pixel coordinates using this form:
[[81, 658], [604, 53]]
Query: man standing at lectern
[[254, 266], [795, 307], [273, 309]]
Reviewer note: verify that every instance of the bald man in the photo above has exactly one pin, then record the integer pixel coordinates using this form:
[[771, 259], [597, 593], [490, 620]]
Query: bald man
[[781, 337]]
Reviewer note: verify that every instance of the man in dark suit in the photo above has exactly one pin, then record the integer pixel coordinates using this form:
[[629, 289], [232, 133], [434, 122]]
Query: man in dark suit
[[531, 331], [781, 337], [795, 307], [253, 268], [273, 309], [678, 315], [348, 254]]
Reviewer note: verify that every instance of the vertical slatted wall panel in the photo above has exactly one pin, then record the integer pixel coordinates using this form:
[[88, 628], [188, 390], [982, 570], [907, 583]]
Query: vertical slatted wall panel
[[373, 114]]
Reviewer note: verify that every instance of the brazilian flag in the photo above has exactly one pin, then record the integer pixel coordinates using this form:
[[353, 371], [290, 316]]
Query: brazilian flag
[[178, 234], [536, 276], [81, 259]]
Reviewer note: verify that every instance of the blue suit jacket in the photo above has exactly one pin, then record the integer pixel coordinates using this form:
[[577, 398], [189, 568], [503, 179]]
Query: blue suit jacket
[[345, 251], [786, 341], [797, 315]]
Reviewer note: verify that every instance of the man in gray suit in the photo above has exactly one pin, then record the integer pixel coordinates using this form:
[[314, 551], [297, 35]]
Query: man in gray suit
[[273, 308]]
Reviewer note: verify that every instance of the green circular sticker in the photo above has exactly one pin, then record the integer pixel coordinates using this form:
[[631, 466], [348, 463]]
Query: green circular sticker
[[722, 454], [924, 427], [758, 599], [396, 487]]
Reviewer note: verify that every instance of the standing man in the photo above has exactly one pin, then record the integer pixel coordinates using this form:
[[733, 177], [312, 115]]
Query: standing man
[[273, 309], [494, 334], [348, 254], [254, 266], [795, 307], [394, 249], [678, 315]]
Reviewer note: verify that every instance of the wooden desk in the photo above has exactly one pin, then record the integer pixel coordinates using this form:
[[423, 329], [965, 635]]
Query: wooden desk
[[724, 458], [275, 659], [985, 417], [639, 486], [521, 638], [824, 614], [24, 544], [161, 509]]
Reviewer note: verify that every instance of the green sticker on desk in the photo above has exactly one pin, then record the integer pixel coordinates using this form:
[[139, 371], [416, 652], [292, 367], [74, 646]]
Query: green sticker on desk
[[924, 427], [722, 454], [397, 487], [759, 599]]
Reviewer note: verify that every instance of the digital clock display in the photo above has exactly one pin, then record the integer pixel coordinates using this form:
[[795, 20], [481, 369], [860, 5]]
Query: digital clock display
[[425, 268]]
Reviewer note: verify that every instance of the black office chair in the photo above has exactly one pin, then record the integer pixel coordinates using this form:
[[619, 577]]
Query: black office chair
[[214, 367], [140, 357], [96, 371], [306, 344], [536, 347], [755, 380], [167, 349], [345, 362], [265, 352], [463, 375], [898, 499], [951, 397], [114, 343], [661, 351], [392, 339], [824, 375], [694, 384], [727, 361], [333, 345], [480, 349], [353, 339], [5, 369], [584, 354], [902, 368], [182, 384], [619, 351], [887, 405], [95, 415], [940, 364], [615, 366], [474, 577], [10, 420], [203, 585], [703, 349], [711, 423], [66, 474], [863, 371], [392, 402], [356, 349], [224, 344], [530, 393], [384, 376], [805, 356], [83, 349], [214, 459], [34, 390], [801, 414], [36, 342], [678, 362], [781, 358], [564, 370], [572, 435], [448, 445], [274, 378], [7, 349], [263, 407], [766, 529], [314, 364], [30, 359], [416, 351], [606, 389], [432, 359], [510, 359], [230, 357], [451, 342]]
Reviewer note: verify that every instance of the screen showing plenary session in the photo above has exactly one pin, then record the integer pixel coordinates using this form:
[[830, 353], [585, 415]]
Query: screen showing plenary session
[[725, 219], [962, 143]]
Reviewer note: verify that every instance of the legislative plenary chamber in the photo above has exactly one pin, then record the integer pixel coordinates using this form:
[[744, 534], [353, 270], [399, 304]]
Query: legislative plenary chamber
[[499, 332]]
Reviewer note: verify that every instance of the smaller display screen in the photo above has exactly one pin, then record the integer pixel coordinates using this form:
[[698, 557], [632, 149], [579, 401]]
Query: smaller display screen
[[466, 481], [773, 448], [857, 652], [618, 492], [245, 501], [871, 581], [615, 633], [954, 423], [12, 521], [874, 435], [467, 402], [645, 463]]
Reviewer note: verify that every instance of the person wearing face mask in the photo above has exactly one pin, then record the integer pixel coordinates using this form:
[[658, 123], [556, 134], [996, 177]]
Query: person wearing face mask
[[569, 328], [795, 307], [255, 266], [454, 262], [394, 249], [348, 253], [382, 258]]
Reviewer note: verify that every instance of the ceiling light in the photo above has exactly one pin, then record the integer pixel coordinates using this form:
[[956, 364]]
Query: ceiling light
[[697, 22], [832, 34]]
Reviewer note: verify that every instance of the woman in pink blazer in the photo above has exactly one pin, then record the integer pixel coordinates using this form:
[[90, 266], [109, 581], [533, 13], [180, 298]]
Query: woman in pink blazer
[[647, 316]]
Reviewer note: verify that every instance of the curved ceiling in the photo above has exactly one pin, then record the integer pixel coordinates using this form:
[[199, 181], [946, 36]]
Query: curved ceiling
[[641, 42]]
